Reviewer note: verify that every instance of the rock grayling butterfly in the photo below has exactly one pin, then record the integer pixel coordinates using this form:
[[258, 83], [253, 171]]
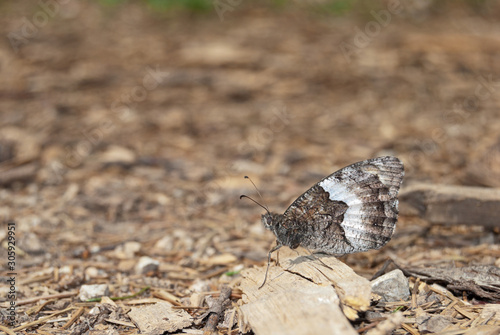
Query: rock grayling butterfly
[[354, 209]]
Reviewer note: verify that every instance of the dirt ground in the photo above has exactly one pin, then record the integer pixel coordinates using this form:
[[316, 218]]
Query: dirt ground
[[127, 132]]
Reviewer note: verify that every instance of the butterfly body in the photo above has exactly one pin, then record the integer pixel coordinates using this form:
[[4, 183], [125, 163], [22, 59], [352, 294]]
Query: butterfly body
[[354, 209]]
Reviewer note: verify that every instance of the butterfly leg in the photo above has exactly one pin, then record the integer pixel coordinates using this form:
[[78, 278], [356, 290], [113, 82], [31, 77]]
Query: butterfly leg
[[279, 245]]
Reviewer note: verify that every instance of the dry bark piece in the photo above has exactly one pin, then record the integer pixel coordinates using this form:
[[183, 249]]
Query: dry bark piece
[[216, 311], [353, 290], [448, 204], [482, 280], [288, 302], [303, 288], [159, 318]]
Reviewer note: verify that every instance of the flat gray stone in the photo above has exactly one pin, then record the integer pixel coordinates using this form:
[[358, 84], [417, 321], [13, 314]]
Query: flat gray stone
[[428, 323], [392, 286]]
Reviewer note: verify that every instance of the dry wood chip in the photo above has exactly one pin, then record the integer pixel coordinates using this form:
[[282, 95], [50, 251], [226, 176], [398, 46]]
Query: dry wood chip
[[491, 313], [73, 318], [164, 295], [181, 276], [36, 309], [288, 299], [222, 259], [410, 329], [7, 330], [464, 312], [291, 305], [448, 204], [214, 273], [483, 330], [42, 320], [167, 267], [120, 322], [436, 288], [159, 318], [107, 300], [229, 319], [353, 290]]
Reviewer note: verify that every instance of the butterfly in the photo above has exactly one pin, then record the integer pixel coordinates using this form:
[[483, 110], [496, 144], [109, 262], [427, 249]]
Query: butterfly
[[352, 210]]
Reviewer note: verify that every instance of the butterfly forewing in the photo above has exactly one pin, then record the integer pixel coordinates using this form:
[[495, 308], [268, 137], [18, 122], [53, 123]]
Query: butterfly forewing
[[354, 209]]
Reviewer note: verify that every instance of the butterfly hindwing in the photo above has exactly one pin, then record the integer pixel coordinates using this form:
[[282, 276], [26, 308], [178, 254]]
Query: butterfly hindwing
[[354, 209]]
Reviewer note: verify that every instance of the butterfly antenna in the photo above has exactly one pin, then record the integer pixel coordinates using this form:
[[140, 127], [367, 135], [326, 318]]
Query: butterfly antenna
[[246, 196], [258, 192]]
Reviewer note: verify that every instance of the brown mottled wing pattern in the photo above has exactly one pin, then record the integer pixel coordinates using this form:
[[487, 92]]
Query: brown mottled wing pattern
[[354, 209]]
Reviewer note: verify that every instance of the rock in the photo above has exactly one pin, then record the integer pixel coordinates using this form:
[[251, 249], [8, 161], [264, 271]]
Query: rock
[[95, 310], [428, 323], [146, 264], [93, 291], [392, 286], [369, 315]]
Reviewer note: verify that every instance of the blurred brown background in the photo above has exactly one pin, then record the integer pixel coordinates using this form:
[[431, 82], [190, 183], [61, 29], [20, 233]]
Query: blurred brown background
[[136, 121]]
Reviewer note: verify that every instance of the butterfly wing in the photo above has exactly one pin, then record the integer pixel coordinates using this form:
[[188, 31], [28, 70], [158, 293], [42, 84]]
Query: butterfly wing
[[354, 209]]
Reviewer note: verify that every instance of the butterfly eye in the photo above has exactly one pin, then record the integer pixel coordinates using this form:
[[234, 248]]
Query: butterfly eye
[[267, 221]]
